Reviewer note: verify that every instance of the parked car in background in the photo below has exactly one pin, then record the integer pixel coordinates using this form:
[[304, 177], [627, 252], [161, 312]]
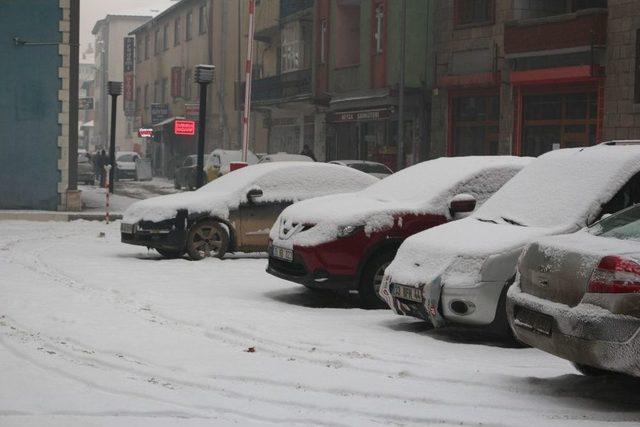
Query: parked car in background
[[285, 157], [219, 162], [578, 296], [185, 174], [86, 170], [372, 168], [236, 211], [344, 242], [460, 272], [126, 165]]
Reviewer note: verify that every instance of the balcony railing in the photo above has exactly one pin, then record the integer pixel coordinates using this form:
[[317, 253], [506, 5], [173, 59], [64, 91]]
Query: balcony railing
[[289, 7], [281, 87], [584, 28]]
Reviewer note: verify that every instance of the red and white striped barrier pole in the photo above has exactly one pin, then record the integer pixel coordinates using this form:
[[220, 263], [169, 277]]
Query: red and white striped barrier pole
[[107, 169], [248, 69]]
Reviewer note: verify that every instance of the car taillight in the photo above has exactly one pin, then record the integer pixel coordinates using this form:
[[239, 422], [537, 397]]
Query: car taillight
[[615, 275]]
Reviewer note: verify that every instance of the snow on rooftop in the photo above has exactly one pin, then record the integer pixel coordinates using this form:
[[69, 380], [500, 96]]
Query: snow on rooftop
[[152, 11]]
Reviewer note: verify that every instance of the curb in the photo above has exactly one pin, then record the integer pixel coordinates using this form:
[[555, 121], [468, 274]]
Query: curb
[[44, 216]]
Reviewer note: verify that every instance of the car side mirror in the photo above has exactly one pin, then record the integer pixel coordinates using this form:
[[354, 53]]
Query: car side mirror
[[462, 203], [254, 194]]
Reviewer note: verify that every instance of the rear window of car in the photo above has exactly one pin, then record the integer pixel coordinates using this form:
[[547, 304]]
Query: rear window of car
[[624, 225], [127, 158], [370, 168]]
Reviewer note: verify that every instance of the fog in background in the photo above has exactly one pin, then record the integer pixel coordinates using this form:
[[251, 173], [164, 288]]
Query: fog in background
[[93, 10]]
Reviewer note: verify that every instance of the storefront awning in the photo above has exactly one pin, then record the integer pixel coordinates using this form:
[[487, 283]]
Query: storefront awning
[[576, 74]]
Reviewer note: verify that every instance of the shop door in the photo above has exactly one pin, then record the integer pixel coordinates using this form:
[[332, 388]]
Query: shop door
[[475, 125], [553, 121]]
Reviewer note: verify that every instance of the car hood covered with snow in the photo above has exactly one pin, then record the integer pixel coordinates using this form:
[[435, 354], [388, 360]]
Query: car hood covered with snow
[[426, 188], [560, 192], [284, 181]]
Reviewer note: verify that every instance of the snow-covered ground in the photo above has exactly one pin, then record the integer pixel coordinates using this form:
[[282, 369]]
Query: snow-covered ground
[[94, 332]]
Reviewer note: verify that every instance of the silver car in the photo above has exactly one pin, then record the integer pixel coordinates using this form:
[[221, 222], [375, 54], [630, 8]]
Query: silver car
[[578, 296]]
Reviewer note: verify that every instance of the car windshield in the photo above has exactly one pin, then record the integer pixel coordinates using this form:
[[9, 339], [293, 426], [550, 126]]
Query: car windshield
[[370, 168], [624, 225], [127, 158]]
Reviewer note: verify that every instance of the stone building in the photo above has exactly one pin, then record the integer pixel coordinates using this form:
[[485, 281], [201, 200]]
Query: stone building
[[526, 77], [38, 106], [110, 33], [168, 48]]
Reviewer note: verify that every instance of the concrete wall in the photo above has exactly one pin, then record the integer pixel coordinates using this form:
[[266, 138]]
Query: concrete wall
[[34, 106]]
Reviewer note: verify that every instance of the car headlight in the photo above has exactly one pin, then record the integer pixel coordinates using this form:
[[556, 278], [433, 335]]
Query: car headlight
[[347, 230]]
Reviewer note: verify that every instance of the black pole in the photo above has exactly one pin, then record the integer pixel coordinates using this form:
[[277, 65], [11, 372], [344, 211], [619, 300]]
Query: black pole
[[403, 25], [74, 43], [202, 125], [112, 145]]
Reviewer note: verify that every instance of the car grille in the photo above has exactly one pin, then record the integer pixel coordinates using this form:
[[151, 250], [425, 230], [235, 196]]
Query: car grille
[[289, 268]]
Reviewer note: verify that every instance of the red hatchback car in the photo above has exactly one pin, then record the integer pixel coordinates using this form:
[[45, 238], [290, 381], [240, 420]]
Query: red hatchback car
[[345, 242]]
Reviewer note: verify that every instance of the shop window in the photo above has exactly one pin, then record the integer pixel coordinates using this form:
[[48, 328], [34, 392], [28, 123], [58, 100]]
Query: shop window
[[587, 4], [554, 121], [475, 125], [189, 26], [467, 12], [177, 29], [636, 88], [348, 33]]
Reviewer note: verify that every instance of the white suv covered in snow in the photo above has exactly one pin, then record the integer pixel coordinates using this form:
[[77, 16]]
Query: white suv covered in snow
[[460, 272]]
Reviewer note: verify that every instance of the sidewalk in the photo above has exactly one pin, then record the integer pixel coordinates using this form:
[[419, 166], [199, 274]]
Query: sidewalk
[[94, 199]]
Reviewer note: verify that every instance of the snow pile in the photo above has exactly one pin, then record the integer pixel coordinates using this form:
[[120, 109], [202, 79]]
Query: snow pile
[[290, 182], [426, 188], [559, 192]]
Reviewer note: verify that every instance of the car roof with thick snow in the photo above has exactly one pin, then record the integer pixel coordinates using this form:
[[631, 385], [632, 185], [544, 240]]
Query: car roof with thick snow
[[560, 192], [425, 188], [283, 181]]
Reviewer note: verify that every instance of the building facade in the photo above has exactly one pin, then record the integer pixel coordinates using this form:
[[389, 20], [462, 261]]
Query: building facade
[[168, 48], [110, 33], [526, 77], [38, 109]]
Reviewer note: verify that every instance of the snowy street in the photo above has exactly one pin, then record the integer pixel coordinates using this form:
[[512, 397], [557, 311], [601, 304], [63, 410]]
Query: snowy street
[[94, 332]]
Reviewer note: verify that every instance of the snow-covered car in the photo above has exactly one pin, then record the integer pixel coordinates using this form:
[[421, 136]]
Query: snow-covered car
[[219, 162], [285, 157], [460, 272], [372, 168], [126, 165], [86, 171], [578, 296], [344, 242], [235, 212]]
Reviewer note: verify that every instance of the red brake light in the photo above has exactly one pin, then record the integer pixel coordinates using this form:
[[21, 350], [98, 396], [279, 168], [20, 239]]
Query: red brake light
[[615, 275]]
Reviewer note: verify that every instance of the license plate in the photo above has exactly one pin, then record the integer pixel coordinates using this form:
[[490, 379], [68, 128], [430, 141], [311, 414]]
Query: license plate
[[282, 253], [534, 321], [126, 228], [407, 292]]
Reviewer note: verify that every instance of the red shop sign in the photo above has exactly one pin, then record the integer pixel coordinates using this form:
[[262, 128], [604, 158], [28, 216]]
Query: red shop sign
[[184, 127]]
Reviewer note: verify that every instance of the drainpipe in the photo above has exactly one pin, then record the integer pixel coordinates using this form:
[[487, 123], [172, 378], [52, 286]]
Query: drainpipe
[[74, 42]]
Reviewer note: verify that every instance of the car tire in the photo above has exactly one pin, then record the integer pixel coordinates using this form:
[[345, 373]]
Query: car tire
[[170, 253], [207, 239], [500, 324], [371, 279]]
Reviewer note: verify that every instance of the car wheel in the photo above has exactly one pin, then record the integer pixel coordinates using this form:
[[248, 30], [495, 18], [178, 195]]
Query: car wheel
[[207, 239], [371, 280], [170, 253], [500, 324], [590, 371]]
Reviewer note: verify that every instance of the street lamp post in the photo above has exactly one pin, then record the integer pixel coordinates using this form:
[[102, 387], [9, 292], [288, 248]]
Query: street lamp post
[[114, 89], [203, 76]]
